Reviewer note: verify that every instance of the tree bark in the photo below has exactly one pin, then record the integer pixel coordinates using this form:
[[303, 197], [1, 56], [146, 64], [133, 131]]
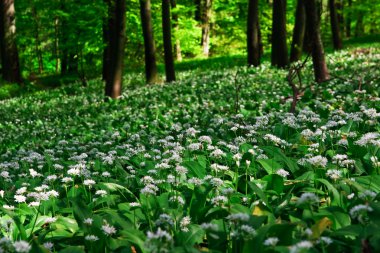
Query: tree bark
[[116, 44], [298, 32], [335, 29], [206, 8], [9, 54], [37, 38], [279, 56], [359, 24], [150, 48], [167, 36], [321, 73], [177, 46], [253, 42]]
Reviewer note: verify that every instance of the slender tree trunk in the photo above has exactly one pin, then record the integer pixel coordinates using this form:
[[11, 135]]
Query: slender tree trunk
[[348, 20], [359, 25], [206, 8], [298, 32], [339, 7], [56, 44], [167, 36], [279, 56], [116, 43], [37, 38], [150, 48], [335, 30], [177, 46], [313, 25], [10, 59], [253, 42]]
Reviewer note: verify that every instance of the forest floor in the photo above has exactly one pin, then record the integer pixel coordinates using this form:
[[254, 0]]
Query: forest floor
[[213, 162]]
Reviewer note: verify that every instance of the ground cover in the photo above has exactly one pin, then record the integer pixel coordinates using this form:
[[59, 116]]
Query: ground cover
[[213, 162]]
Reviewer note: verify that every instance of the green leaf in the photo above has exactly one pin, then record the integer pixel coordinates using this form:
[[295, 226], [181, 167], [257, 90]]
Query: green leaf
[[195, 169]]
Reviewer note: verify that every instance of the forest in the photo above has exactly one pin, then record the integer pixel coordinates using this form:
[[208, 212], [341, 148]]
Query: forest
[[189, 126]]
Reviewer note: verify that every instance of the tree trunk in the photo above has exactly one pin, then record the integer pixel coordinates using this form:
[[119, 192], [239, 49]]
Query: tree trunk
[[167, 36], [9, 54], [56, 44], [206, 8], [313, 25], [37, 38], [335, 30], [150, 49], [197, 13], [298, 32], [116, 43], [348, 20], [279, 56], [359, 25], [177, 46], [253, 43]]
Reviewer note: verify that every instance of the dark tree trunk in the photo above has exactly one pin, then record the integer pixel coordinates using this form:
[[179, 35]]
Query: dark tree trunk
[[348, 20], [313, 26], [37, 38], [167, 36], [335, 30], [298, 32], [116, 52], [9, 54], [206, 8], [150, 49], [177, 46], [197, 13], [339, 7], [253, 40], [279, 56]]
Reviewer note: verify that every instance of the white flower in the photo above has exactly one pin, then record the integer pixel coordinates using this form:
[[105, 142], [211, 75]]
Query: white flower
[[358, 210], [22, 246], [134, 204], [318, 161], [334, 174], [48, 245], [102, 193], [271, 241], [217, 153], [88, 221], [184, 223], [50, 220], [308, 198], [2, 193], [238, 217], [282, 173], [219, 200], [89, 182], [299, 247], [108, 229], [91, 238], [20, 198]]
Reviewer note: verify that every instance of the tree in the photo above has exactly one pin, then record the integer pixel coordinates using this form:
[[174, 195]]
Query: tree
[[279, 56], [116, 41], [167, 36], [298, 32], [253, 40], [150, 48], [177, 47], [335, 27], [321, 73], [348, 19], [9, 54], [206, 9]]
